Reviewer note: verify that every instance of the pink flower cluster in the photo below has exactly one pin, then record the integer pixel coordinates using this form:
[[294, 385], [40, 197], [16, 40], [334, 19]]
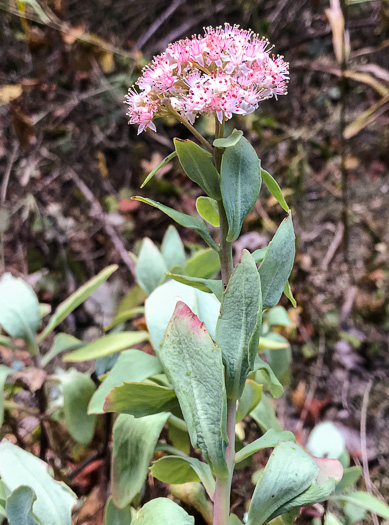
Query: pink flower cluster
[[226, 71]]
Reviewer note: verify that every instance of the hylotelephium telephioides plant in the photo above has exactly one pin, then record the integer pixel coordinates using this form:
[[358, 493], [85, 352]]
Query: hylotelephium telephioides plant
[[224, 72]]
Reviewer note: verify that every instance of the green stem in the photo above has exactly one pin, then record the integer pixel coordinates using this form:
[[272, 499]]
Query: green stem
[[192, 129]]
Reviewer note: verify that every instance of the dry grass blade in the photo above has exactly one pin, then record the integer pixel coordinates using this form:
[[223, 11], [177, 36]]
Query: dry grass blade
[[367, 117]]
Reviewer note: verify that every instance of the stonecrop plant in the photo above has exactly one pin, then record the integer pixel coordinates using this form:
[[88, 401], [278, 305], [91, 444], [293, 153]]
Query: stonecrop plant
[[212, 362]]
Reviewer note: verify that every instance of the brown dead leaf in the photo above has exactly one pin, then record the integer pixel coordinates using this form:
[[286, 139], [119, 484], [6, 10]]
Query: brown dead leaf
[[91, 513], [298, 396], [31, 378], [9, 92], [340, 37]]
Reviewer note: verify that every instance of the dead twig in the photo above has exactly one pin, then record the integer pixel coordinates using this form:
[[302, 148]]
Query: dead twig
[[333, 247]]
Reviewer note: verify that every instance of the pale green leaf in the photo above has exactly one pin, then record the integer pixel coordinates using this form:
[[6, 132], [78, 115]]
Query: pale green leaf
[[269, 377], [106, 345], [163, 163], [240, 184], [289, 294], [326, 441], [62, 342], [19, 310], [288, 473], [162, 511], [194, 367], [205, 264], [150, 266], [207, 208], [199, 167], [134, 442], [239, 325], [4, 372], [182, 219], [19, 507], [273, 344], [132, 366], [140, 399], [78, 389], [274, 189], [270, 439], [75, 299], [350, 476], [251, 396], [365, 501], [178, 470], [277, 263], [265, 416], [124, 316], [278, 316], [20, 468], [115, 516], [172, 248], [229, 141], [205, 285], [331, 519]]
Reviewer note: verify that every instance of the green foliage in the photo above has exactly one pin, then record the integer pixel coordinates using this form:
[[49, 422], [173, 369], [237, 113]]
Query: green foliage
[[18, 468], [270, 439], [230, 141], [194, 367], [150, 266], [19, 310], [172, 248], [134, 442], [19, 507], [205, 285], [197, 164], [274, 189], [163, 163], [240, 184], [115, 516], [239, 324], [204, 264], [365, 501], [251, 396], [4, 372], [161, 511], [207, 208]]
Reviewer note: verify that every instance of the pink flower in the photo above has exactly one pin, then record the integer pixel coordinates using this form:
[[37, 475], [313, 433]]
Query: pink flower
[[224, 72]]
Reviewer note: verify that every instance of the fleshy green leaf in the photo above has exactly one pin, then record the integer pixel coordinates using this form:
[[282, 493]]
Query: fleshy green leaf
[[331, 519], [239, 325], [270, 379], [132, 366], [150, 266], [270, 439], [107, 345], [229, 141], [207, 208], [205, 285], [159, 308], [204, 264], [265, 416], [365, 501], [19, 507], [289, 294], [278, 316], [162, 511], [288, 473], [182, 219], [259, 254], [326, 441], [172, 248], [20, 468], [350, 476], [134, 442], [163, 163], [78, 389], [74, 300], [199, 167], [251, 396], [19, 310], [277, 263], [115, 516], [240, 184], [61, 343], [140, 399], [193, 496], [274, 189], [124, 316], [194, 367], [4, 372], [178, 470]]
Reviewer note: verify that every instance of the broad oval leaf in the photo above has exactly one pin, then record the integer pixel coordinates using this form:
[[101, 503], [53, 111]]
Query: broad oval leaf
[[20, 468], [239, 324], [162, 511], [131, 366], [74, 300], [107, 345], [229, 141], [19, 507], [264, 414], [19, 310], [163, 163], [274, 189], [270, 439], [240, 184], [365, 501], [172, 248], [288, 473], [134, 442], [115, 516], [194, 367], [207, 208], [61, 343], [177, 470], [150, 266], [277, 263], [204, 263], [199, 167], [182, 219], [140, 399], [78, 389]]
